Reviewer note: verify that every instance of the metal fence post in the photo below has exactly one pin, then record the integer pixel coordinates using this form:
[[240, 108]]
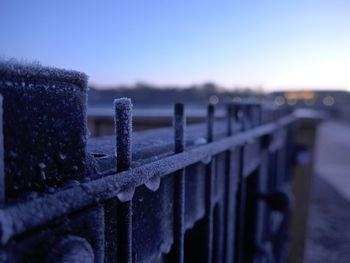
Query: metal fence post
[[209, 185], [123, 128], [2, 168], [229, 192], [241, 193], [179, 191]]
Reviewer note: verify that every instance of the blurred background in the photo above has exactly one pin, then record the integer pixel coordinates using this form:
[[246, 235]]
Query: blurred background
[[288, 53], [162, 52]]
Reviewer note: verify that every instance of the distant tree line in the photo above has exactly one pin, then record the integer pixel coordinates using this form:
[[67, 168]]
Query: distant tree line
[[144, 95]]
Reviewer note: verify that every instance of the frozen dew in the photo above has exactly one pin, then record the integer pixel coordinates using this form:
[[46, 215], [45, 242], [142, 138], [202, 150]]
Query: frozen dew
[[41, 165], [75, 168], [9, 83], [200, 141], [165, 247], [42, 171], [153, 183], [49, 189], [126, 194], [83, 138], [6, 227], [62, 156], [206, 160], [88, 133]]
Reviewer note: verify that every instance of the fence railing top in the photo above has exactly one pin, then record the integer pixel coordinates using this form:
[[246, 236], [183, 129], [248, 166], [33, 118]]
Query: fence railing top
[[30, 71], [20, 217]]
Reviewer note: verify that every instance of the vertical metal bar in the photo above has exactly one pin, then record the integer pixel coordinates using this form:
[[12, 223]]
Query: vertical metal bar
[[111, 230], [210, 123], [218, 238], [281, 158], [220, 232], [241, 194], [262, 173], [209, 191], [123, 128], [2, 166], [290, 150], [179, 193], [282, 234], [228, 202]]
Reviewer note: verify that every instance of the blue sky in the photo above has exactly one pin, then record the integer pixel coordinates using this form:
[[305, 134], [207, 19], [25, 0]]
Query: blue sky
[[275, 44]]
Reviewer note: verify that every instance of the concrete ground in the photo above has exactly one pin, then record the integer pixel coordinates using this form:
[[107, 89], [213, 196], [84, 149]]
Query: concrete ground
[[332, 156], [329, 223]]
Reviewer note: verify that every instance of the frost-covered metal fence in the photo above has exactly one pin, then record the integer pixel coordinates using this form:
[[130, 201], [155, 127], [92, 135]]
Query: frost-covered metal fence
[[213, 192]]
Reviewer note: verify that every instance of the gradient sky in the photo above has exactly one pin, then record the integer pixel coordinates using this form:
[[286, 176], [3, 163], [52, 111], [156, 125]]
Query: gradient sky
[[275, 44]]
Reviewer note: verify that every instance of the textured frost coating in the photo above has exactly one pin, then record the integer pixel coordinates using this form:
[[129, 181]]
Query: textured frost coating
[[123, 130], [15, 70], [71, 249], [2, 172], [44, 126]]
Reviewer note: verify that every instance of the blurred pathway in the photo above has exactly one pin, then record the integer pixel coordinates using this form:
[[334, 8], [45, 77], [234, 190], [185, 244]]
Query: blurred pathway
[[332, 156], [329, 227]]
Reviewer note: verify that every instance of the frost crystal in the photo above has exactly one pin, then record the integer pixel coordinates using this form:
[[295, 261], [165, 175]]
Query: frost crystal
[[153, 183], [126, 195], [123, 129]]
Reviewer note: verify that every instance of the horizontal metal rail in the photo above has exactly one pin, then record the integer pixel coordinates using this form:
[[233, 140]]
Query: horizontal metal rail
[[23, 216], [217, 191]]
